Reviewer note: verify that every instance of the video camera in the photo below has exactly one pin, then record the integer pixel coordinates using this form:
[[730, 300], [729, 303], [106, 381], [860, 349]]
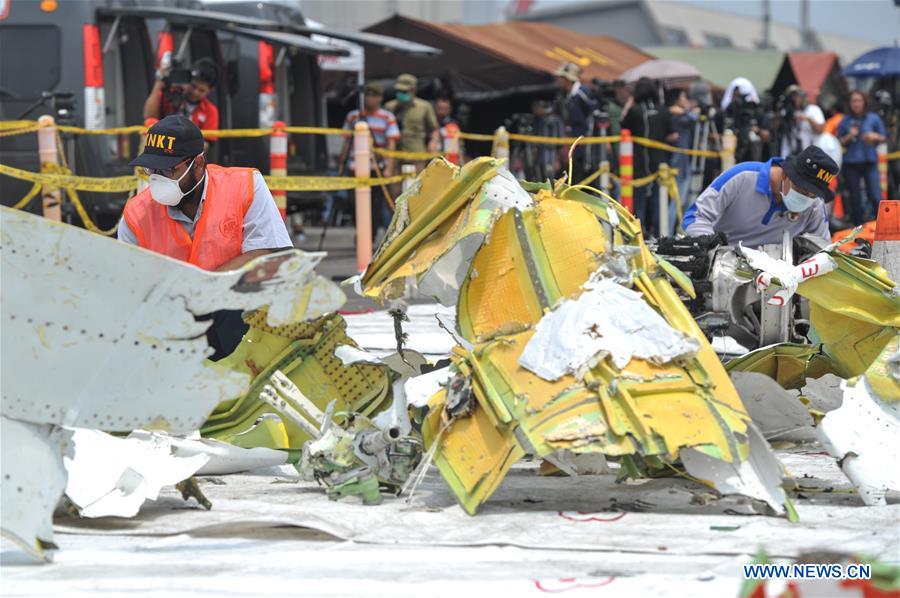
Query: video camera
[[520, 122], [174, 82], [603, 92], [883, 104], [744, 118]]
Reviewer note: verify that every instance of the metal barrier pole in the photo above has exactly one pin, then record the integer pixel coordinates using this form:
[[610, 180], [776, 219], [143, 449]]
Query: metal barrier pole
[[663, 185], [729, 144], [141, 182], [501, 143], [47, 151], [362, 169], [883, 169], [278, 143], [408, 171], [626, 170]]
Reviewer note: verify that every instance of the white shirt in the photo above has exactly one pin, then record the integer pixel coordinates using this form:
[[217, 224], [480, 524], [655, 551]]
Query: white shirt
[[263, 226], [802, 131]]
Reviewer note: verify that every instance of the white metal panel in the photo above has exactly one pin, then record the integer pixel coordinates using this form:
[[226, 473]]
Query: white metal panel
[[101, 334], [33, 480]]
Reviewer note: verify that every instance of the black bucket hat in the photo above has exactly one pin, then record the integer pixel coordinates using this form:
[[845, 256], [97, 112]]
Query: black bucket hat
[[811, 171]]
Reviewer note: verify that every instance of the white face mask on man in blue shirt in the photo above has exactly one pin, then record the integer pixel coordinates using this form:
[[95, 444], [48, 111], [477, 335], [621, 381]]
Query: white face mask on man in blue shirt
[[795, 201]]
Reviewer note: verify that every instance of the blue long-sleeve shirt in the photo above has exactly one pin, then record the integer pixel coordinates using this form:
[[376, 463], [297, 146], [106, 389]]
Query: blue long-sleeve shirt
[[858, 151]]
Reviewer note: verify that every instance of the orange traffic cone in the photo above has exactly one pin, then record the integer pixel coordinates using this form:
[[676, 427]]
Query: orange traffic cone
[[886, 246]]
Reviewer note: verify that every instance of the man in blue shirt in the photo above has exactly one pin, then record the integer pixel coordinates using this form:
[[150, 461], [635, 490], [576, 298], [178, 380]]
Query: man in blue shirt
[[579, 107], [753, 203], [860, 132]]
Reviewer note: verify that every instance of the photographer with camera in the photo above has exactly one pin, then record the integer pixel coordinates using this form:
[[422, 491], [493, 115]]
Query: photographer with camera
[[646, 118], [744, 116], [184, 91], [860, 132], [684, 120], [578, 109], [537, 161], [799, 122]]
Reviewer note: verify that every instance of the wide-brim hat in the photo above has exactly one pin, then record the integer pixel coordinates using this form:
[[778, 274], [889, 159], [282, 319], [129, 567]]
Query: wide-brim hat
[[811, 171]]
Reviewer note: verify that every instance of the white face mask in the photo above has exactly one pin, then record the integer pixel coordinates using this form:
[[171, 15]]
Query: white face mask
[[795, 201], [168, 191]]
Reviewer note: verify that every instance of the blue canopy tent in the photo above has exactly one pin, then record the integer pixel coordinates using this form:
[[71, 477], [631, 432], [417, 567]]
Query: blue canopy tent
[[878, 63]]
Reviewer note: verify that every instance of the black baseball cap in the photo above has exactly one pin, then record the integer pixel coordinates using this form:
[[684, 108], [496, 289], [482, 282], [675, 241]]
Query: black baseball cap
[[811, 170], [169, 142]]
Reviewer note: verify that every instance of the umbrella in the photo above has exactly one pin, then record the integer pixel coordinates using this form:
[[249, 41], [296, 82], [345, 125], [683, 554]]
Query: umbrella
[[670, 71], [878, 63]]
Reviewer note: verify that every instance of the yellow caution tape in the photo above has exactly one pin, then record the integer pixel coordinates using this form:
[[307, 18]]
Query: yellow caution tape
[[332, 183], [317, 131], [675, 150], [82, 213], [406, 155], [5, 125], [22, 203], [19, 127], [564, 140], [236, 133], [590, 179], [70, 181], [112, 131], [892, 156], [476, 136], [19, 131]]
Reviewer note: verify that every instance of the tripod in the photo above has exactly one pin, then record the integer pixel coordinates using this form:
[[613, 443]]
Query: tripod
[[704, 126]]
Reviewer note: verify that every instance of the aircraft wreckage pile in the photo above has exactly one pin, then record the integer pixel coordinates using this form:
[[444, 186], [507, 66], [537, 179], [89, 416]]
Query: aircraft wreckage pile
[[572, 347]]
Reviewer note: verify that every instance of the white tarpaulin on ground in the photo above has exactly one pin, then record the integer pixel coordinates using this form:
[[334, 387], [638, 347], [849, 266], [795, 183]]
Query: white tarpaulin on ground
[[648, 537]]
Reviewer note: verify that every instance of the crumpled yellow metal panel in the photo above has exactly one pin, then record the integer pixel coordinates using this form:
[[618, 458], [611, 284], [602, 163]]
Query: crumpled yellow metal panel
[[530, 260], [854, 312], [304, 352], [472, 453], [431, 218], [512, 280], [884, 373]]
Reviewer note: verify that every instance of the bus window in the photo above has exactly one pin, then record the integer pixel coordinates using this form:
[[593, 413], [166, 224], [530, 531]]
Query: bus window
[[20, 83]]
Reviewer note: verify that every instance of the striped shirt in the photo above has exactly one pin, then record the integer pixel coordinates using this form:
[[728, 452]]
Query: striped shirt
[[382, 123]]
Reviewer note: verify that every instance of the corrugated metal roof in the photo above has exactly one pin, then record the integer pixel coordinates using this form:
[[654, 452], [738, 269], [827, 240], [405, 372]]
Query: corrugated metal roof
[[543, 47]]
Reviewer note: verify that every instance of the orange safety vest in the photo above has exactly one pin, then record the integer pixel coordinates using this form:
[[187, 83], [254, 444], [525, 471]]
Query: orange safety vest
[[218, 233]]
